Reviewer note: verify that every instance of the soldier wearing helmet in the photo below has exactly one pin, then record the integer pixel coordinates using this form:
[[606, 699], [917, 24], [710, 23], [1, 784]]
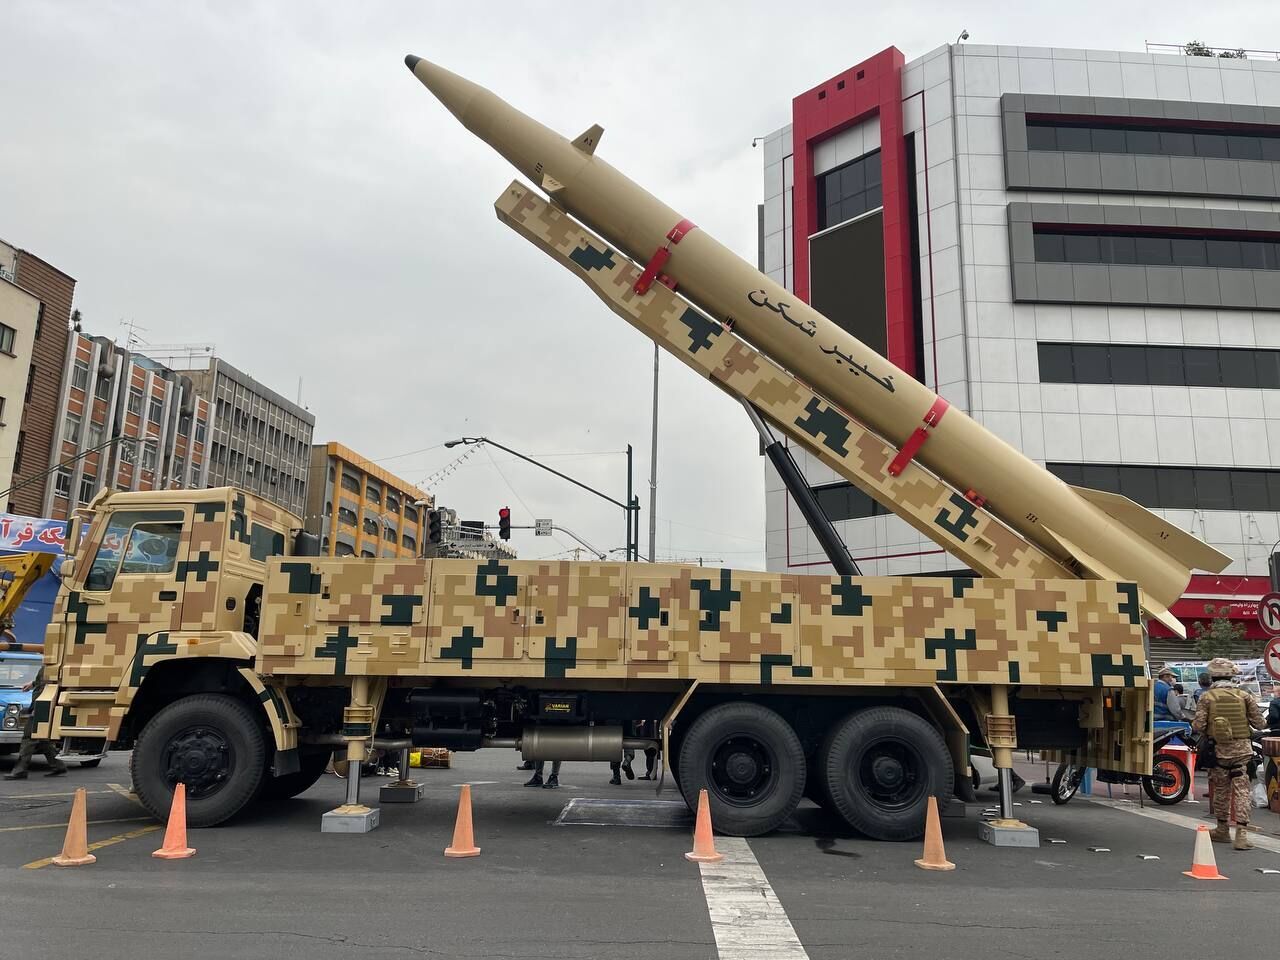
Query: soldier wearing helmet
[[1229, 715]]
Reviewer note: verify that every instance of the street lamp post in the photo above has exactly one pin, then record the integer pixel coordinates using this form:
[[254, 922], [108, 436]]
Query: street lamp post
[[631, 508]]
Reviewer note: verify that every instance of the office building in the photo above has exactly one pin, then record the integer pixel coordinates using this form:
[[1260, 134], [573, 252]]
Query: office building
[[1079, 248], [35, 424], [19, 315], [358, 509], [258, 440], [125, 422]]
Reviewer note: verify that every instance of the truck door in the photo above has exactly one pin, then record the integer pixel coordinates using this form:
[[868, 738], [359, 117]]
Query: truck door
[[126, 596]]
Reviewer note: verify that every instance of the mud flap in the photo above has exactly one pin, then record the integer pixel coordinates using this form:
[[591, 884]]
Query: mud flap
[[280, 718]]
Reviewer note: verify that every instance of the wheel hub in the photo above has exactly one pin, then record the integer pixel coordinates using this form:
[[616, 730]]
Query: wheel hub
[[201, 758], [741, 771], [888, 773]]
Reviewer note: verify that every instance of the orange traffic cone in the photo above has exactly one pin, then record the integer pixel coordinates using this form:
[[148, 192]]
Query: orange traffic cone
[[935, 857], [464, 842], [175, 834], [704, 844], [75, 848], [1203, 865]]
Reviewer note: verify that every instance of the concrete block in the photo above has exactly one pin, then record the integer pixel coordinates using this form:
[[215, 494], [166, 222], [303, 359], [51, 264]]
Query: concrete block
[[350, 820], [406, 792], [1003, 835]]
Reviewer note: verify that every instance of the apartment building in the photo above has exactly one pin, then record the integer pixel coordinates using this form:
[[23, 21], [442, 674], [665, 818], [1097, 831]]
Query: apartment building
[[258, 440], [359, 509], [19, 316]]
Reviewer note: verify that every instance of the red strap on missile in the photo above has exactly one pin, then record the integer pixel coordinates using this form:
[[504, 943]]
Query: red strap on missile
[[652, 269], [917, 438]]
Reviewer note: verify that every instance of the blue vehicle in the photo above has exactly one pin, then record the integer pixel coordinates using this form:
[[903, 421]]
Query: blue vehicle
[[17, 673]]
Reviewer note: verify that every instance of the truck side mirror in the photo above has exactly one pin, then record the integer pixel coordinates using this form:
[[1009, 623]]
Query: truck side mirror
[[72, 539], [305, 544]]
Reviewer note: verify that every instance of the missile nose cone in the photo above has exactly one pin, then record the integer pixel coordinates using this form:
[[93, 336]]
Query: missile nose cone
[[455, 92], [411, 61]]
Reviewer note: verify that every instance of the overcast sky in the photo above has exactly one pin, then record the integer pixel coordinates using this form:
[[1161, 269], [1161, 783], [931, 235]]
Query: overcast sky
[[269, 178]]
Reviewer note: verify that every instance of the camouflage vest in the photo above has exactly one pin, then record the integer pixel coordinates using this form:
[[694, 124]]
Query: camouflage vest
[[1228, 719]]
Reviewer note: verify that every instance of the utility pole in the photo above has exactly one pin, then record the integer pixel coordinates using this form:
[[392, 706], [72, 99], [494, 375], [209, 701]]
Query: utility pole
[[653, 466]]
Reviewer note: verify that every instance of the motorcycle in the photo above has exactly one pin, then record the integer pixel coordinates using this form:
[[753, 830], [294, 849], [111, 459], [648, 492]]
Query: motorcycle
[[1167, 784]]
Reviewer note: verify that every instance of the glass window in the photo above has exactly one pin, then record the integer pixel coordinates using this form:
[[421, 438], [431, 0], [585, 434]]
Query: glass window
[[1188, 252], [128, 450], [1153, 250], [1177, 488], [410, 513], [1268, 362], [1067, 472], [62, 484], [1165, 367], [102, 388], [1108, 140], [1139, 485], [7, 337], [1100, 476], [1075, 139], [1249, 490], [1253, 254], [1273, 489], [95, 434], [1143, 141], [1175, 143], [1224, 253], [853, 179], [149, 455], [88, 484], [1239, 368], [1129, 364], [844, 501], [1081, 248], [199, 437], [1211, 145], [71, 428], [1241, 147], [1270, 147], [135, 542], [79, 375], [1117, 249], [1091, 363], [1049, 248], [1213, 489], [1041, 137], [1203, 369], [135, 400], [1055, 363], [408, 542]]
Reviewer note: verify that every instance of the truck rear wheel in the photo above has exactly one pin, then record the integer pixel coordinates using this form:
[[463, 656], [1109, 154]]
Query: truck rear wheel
[[210, 742], [880, 766], [751, 764], [313, 765]]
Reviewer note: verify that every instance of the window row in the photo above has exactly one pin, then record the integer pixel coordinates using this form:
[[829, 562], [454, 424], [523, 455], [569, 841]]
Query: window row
[[1154, 249], [1106, 137], [844, 501], [1159, 366], [849, 191], [1178, 488]]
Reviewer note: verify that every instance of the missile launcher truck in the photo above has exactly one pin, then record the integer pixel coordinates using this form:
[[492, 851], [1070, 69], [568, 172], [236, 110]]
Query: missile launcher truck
[[200, 629]]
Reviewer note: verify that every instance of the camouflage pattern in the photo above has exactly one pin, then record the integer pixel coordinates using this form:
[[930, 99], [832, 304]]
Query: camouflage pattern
[[1228, 781], [101, 644], [932, 506]]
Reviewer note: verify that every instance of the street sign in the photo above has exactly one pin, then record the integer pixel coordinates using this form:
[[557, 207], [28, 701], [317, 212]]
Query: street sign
[[542, 528], [1269, 613], [1271, 658]]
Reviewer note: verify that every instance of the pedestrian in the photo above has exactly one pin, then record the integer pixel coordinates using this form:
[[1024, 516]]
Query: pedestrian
[[1206, 682], [1181, 705], [31, 746], [553, 781], [628, 755], [1227, 716]]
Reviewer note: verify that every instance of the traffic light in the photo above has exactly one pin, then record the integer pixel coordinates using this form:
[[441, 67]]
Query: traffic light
[[434, 531], [504, 523]]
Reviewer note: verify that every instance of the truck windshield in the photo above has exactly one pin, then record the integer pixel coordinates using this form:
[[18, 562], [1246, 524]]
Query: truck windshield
[[18, 673]]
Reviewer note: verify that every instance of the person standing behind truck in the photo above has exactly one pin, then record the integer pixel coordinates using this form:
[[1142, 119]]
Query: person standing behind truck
[[29, 746], [1229, 715]]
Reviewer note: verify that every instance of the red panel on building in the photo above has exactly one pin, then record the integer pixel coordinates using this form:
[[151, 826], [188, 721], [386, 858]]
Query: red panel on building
[[871, 88]]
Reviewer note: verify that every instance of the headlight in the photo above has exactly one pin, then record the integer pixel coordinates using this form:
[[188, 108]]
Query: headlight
[[10, 721], [13, 708]]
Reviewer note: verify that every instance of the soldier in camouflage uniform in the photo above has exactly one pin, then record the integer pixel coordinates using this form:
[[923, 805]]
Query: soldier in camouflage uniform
[[32, 746], [1229, 715]]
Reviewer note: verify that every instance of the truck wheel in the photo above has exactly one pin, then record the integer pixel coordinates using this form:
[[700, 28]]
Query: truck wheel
[[292, 784], [751, 764], [210, 742], [881, 766]]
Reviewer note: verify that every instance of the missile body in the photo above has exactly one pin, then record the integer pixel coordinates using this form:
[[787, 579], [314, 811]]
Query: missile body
[[1108, 536]]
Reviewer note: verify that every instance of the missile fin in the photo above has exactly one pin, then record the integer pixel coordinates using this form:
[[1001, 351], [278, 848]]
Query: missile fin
[[1153, 607], [588, 139], [1160, 533], [551, 185]]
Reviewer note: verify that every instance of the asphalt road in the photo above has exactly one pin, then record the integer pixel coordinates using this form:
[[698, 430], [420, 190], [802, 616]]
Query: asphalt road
[[270, 882]]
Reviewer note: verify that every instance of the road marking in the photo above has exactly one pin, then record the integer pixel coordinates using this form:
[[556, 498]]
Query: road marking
[[746, 916], [92, 823], [127, 794], [476, 783], [98, 845], [72, 793], [1178, 820]]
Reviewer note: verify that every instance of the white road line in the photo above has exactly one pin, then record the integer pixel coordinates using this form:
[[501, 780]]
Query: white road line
[[1179, 820], [746, 917]]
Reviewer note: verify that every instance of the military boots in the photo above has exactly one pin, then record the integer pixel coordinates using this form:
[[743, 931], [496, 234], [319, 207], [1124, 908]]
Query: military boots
[[1242, 839], [1222, 834]]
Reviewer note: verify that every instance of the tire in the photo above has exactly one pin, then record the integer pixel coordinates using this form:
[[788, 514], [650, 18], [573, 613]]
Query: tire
[[751, 764], [210, 741], [1173, 793], [1066, 781], [291, 784], [90, 764], [881, 766]]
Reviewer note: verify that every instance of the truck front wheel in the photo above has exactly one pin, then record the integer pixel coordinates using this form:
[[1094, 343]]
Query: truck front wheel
[[880, 766], [751, 764], [210, 742]]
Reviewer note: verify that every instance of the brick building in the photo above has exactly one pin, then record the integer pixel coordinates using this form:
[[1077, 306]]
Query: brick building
[[37, 426]]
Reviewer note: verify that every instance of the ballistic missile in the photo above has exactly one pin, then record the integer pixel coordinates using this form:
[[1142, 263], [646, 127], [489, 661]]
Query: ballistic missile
[[1100, 534]]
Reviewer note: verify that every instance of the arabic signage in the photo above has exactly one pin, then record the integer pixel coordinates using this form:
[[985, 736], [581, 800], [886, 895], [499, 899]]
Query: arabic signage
[[31, 534]]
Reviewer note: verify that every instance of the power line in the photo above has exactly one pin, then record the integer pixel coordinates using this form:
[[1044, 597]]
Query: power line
[[519, 499]]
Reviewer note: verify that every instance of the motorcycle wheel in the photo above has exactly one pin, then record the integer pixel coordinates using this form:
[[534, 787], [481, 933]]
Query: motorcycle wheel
[[1170, 793], [1066, 781]]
